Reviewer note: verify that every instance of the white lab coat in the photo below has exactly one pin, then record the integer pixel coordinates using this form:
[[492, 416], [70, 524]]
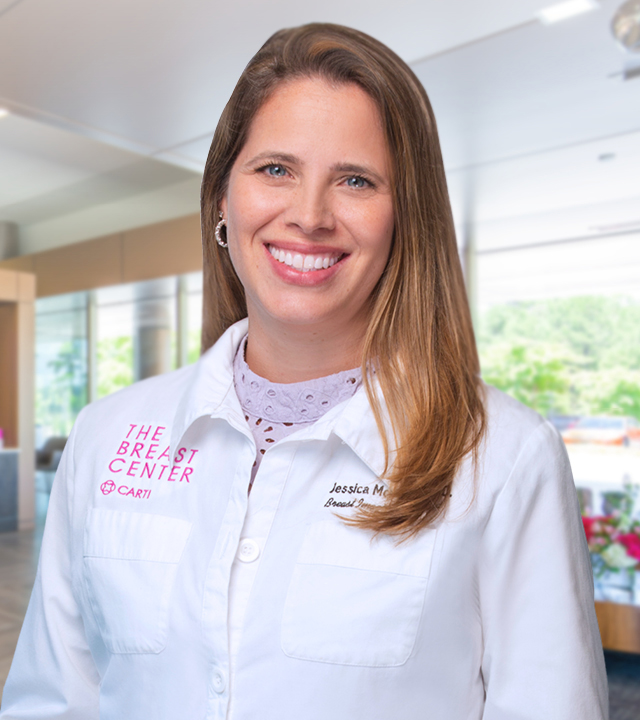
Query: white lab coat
[[487, 616]]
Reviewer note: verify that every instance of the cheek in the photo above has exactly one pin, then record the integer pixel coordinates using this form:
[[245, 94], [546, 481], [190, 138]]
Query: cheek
[[250, 206], [381, 237], [376, 230]]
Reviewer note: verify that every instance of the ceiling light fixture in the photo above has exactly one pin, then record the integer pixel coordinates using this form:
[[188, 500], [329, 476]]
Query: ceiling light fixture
[[3, 112], [625, 26], [565, 10]]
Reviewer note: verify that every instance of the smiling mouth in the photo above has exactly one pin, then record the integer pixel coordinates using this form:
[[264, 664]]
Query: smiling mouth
[[305, 263]]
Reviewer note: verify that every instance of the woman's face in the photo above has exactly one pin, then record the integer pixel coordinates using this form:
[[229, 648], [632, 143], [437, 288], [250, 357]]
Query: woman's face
[[309, 208]]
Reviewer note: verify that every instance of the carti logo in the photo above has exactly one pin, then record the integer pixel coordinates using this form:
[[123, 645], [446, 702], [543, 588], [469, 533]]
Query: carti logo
[[107, 487]]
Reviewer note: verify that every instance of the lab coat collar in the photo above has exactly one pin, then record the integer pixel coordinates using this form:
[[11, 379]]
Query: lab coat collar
[[353, 422], [211, 393]]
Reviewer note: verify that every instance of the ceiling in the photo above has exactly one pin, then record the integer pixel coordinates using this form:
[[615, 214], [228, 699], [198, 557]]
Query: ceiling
[[524, 118], [112, 107]]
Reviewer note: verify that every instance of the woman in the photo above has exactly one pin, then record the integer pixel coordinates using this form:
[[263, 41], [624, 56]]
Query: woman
[[410, 546]]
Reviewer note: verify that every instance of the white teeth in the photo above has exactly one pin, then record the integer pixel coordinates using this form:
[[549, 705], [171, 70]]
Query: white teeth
[[305, 263]]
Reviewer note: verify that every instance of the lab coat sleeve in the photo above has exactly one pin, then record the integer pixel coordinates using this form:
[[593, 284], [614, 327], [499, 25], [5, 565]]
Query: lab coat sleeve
[[53, 676], [542, 656]]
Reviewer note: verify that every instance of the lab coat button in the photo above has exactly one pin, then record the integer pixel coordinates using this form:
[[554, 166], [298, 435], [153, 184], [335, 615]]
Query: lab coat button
[[248, 550], [218, 682]]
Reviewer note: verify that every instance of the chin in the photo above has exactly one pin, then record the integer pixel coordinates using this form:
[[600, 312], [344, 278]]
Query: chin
[[299, 314], [301, 318]]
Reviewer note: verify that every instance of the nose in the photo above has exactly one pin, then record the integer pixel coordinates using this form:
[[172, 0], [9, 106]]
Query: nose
[[310, 209]]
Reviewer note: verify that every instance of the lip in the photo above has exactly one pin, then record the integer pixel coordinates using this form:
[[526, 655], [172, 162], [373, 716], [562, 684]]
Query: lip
[[304, 279]]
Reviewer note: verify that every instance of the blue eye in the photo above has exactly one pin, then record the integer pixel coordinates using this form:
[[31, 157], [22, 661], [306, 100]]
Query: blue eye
[[357, 182], [276, 170]]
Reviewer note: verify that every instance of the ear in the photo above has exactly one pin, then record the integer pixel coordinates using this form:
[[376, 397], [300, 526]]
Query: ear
[[223, 207]]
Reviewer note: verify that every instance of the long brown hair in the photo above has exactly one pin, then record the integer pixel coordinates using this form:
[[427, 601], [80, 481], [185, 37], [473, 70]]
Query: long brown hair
[[419, 342]]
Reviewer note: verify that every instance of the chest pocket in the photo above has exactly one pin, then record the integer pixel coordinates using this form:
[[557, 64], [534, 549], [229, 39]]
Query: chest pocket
[[354, 600], [130, 564]]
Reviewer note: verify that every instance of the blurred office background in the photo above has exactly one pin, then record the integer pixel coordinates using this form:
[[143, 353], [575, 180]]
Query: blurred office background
[[106, 115]]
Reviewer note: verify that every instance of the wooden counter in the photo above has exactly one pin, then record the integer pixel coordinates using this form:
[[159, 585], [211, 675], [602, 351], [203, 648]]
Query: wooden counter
[[619, 626], [17, 381]]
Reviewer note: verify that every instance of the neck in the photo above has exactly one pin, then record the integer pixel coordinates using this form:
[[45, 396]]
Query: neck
[[297, 353]]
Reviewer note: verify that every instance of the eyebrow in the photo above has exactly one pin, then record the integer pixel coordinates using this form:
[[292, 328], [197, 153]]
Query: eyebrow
[[277, 156], [339, 167]]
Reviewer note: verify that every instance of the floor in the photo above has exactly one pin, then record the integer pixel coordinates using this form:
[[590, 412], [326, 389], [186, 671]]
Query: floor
[[19, 557], [623, 671], [18, 560]]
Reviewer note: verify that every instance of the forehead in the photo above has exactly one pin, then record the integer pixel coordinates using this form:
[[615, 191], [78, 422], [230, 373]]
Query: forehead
[[313, 115]]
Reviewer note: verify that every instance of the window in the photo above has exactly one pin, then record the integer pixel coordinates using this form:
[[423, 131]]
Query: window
[[91, 344], [559, 329], [61, 364]]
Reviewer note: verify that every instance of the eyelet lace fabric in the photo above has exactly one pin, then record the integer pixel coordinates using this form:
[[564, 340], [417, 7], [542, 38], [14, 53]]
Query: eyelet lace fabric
[[275, 410]]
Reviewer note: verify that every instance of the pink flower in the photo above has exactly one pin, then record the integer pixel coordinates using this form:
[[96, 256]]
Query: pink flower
[[588, 523], [632, 543]]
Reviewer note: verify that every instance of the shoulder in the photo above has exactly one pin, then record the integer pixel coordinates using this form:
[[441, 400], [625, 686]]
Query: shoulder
[[154, 399], [519, 443], [509, 423]]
